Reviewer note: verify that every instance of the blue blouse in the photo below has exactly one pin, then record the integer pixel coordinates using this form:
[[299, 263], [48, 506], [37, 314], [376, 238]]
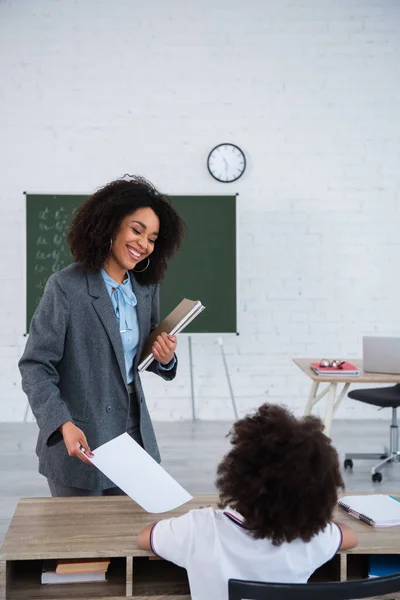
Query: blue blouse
[[124, 303]]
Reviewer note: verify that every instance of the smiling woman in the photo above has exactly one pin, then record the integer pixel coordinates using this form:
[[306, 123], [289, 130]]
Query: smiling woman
[[134, 242], [79, 368]]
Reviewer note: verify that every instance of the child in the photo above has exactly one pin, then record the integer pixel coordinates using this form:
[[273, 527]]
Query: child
[[278, 488]]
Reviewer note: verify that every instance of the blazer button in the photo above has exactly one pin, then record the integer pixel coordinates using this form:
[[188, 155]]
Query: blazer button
[[108, 409]]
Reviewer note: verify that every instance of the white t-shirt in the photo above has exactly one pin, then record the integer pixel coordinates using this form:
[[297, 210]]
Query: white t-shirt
[[213, 546]]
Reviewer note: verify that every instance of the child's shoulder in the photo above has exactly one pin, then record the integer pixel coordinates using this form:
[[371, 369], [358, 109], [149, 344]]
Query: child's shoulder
[[215, 517], [201, 516], [206, 513]]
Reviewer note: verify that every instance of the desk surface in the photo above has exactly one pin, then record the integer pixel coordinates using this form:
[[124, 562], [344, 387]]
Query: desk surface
[[81, 527], [108, 526], [304, 364]]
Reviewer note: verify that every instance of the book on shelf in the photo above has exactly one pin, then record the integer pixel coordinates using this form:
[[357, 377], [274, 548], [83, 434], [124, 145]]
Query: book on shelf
[[346, 369], [174, 323], [81, 565], [50, 575], [377, 510]]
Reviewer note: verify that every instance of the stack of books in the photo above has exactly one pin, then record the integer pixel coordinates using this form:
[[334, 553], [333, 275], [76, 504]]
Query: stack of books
[[75, 570], [345, 370], [177, 320]]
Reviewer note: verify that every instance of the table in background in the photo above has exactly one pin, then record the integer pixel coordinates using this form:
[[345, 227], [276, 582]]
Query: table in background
[[335, 397], [50, 528]]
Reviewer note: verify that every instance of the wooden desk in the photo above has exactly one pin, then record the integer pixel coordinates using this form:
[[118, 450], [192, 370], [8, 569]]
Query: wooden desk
[[335, 397], [44, 528]]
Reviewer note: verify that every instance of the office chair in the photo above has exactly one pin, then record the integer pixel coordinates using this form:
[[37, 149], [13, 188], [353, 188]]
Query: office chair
[[336, 590], [384, 398]]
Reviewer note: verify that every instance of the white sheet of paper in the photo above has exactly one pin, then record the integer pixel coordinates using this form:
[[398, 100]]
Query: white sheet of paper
[[134, 471]]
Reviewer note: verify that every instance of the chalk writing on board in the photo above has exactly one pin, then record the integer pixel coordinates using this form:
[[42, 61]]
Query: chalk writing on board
[[51, 253]]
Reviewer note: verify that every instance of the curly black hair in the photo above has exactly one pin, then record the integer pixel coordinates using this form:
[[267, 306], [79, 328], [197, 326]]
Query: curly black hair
[[97, 220], [282, 475]]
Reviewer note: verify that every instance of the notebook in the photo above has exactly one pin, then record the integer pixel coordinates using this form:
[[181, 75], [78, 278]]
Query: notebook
[[177, 320], [347, 369], [82, 565], [378, 510], [49, 575]]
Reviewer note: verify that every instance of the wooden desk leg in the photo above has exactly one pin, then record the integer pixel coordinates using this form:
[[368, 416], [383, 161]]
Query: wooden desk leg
[[341, 396], [312, 398], [3, 582], [129, 576], [343, 566], [330, 407]]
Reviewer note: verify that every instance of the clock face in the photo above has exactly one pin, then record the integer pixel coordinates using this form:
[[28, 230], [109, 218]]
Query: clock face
[[226, 163]]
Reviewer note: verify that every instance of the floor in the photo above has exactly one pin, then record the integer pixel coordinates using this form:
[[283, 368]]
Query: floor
[[190, 453]]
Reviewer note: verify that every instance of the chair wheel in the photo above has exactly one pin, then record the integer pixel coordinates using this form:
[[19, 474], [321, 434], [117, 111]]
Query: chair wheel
[[377, 477], [384, 456], [348, 463]]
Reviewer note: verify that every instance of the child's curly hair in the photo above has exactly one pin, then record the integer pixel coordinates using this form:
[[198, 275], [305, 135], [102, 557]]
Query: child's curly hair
[[282, 475]]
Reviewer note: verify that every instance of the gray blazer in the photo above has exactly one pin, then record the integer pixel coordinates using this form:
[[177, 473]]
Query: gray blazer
[[73, 370]]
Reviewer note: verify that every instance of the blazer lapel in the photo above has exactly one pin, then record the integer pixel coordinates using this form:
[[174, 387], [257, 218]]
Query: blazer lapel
[[103, 306], [143, 309]]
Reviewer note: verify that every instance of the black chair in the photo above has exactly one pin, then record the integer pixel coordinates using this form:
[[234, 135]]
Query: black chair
[[336, 590], [384, 398]]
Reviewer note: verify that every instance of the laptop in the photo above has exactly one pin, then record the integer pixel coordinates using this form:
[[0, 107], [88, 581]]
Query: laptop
[[381, 354]]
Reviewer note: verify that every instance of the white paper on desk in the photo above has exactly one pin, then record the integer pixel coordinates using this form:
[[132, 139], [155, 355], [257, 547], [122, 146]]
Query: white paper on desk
[[134, 471]]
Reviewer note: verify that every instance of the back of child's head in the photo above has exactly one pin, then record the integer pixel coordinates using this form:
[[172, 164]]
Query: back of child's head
[[282, 475]]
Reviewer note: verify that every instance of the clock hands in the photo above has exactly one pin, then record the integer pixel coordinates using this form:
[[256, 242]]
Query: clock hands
[[223, 168]]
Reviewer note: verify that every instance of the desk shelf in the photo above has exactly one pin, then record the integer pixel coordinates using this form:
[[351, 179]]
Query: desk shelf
[[148, 580], [357, 566], [152, 577], [23, 583]]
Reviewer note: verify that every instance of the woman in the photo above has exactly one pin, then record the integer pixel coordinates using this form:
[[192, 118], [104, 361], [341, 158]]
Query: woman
[[79, 368]]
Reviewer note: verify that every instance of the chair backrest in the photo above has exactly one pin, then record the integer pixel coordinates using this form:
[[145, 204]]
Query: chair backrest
[[336, 590]]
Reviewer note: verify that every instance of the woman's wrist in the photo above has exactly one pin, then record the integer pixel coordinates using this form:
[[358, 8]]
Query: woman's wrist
[[64, 426], [169, 365]]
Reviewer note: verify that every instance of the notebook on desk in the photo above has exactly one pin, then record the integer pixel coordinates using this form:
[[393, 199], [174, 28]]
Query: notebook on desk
[[346, 369], [377, 510]]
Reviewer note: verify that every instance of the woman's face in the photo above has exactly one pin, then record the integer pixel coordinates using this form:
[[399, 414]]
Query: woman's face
[[135, 239]]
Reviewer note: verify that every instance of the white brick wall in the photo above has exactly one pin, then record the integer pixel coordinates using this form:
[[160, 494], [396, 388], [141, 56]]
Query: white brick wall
[[310, 90]]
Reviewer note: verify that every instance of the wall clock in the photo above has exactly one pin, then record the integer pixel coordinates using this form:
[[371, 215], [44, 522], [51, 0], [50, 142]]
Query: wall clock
[[226, 162]]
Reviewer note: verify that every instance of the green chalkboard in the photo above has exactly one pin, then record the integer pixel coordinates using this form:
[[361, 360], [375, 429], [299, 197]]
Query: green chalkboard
[[204, 269]]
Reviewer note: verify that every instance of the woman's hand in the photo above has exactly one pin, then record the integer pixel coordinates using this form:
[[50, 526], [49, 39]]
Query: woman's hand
[[75, 441], [164, 348]]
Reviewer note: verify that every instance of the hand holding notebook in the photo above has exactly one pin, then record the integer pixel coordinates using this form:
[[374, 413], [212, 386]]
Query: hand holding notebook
[[176, 321], [377, 510]]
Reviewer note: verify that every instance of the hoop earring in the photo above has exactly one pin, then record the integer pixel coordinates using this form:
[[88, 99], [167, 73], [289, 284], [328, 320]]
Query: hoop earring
[[110, 246], [146, 267]]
